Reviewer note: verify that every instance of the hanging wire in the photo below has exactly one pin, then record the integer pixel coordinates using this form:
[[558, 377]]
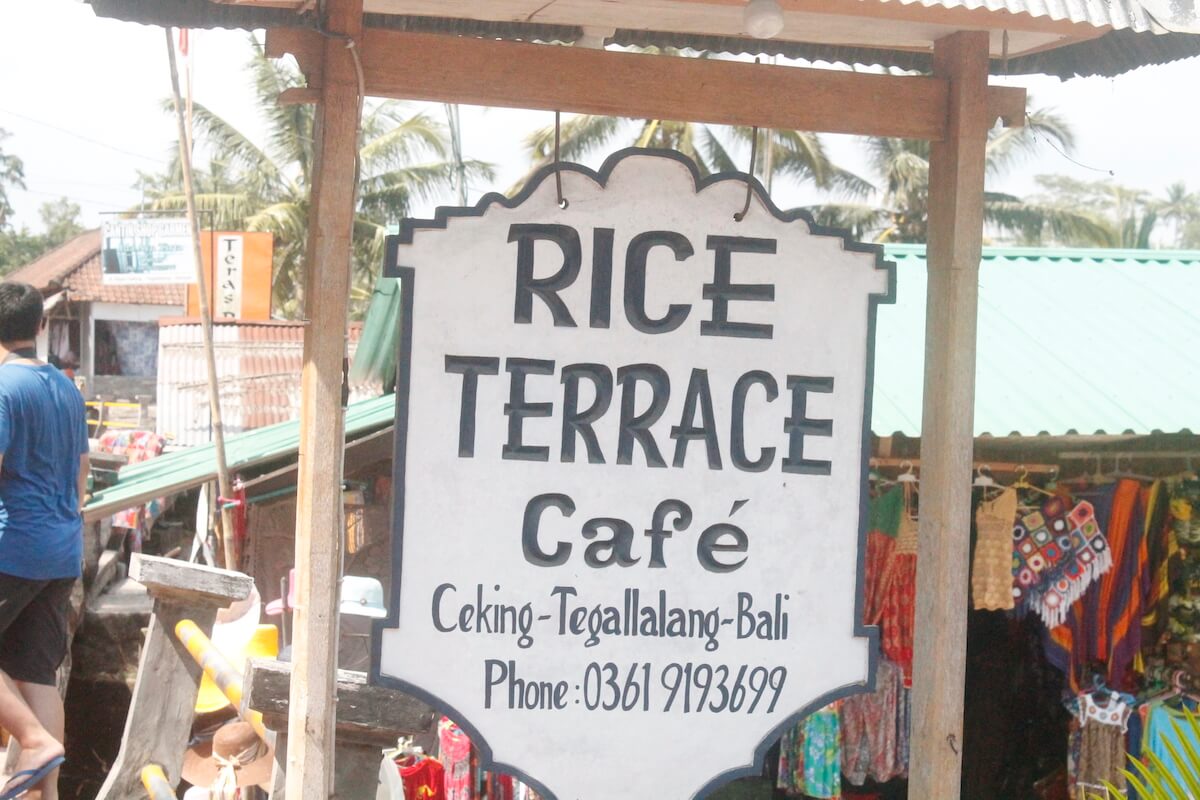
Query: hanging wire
[[741, 215], [1060, 151], [562, 201]]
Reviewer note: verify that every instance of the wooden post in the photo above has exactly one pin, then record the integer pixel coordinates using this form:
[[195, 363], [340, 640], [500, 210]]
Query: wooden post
[[956, 172], [369, 718], [319, 526], [161, 710]]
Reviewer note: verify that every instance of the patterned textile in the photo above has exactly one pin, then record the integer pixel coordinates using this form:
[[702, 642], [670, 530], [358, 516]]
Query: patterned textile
[[823, 753], [896, 620], [136, 446], [871, 729], [1101, 743], [1105, 626], [454, 750], [884, 522], [423, 778], [992, 568], [904, 732], [1056, 555], [791, 760], [1161, 549]]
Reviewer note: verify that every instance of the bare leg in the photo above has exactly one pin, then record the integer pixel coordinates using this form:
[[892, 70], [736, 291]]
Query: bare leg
[[21, 713], [47, 705]]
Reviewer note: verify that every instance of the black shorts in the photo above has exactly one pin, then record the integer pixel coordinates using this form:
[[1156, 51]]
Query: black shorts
[[33, 627]]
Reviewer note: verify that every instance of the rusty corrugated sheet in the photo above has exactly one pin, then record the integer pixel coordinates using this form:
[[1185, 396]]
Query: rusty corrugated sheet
[[258, 369], [1132, 43]]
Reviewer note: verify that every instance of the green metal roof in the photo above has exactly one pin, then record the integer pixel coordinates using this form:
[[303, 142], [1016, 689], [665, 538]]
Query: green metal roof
[[184, 469], [375, 356], [1069, 341]]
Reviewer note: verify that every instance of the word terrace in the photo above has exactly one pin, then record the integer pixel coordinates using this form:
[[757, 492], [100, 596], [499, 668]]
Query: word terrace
[[697, 420]]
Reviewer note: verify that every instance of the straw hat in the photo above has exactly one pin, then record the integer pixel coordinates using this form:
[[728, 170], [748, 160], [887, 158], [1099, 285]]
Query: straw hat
[[263, 642], [236, 747]]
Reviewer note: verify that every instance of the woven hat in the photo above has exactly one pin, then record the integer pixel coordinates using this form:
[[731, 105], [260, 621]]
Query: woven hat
[[236, 747]]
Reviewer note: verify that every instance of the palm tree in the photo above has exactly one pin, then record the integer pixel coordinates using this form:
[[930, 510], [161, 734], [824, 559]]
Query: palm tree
[[12, 174], [902, 168], [265, 187], [796, 154], [1182, 209]]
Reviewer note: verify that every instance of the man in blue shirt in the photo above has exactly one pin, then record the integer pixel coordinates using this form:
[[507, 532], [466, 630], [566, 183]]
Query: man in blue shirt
[[43, 472]]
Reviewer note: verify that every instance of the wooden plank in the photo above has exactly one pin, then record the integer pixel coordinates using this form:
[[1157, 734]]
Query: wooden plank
[[184, 581], [447, 69], [956, 174], [374, 712], [160, 713], [420, 66], [319, 523]]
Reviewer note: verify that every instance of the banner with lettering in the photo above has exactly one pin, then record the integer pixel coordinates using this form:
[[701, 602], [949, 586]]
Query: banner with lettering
[[631, 437]]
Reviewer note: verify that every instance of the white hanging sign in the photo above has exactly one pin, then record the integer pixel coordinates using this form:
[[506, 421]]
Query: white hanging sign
[[630, 475]]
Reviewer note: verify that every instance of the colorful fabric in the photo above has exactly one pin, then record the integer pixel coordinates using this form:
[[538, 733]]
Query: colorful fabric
[[454, 750], [897, 616], [1169, 726], [885, 511], [1159, 543], [823, 753], [871, 729], [1056, 555], [1102, 727], [423, 778], [790, 779], [992, 566], [1105, 626], [882, 527], [136, 446]]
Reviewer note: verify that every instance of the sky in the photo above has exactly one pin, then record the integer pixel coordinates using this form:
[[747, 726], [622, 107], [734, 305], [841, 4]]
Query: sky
[[82, 99]]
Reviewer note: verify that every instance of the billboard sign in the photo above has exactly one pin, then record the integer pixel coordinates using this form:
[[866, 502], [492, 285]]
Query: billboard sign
[[147, 250]]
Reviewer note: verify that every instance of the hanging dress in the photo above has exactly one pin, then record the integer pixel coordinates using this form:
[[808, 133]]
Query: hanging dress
[[454, 749], [1101, 747], [870, 729], [823, 753], [899, 595], [991, 570]]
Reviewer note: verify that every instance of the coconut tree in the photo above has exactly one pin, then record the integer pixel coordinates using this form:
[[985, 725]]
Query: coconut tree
[[264, 186], [902, 211], [798, 155], [1181, 208]]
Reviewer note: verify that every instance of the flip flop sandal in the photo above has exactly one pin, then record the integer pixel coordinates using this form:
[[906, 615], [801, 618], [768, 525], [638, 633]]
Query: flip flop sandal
[[30, 778]]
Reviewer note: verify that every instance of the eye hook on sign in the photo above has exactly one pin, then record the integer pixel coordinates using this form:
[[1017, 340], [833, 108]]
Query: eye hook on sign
[[741, 215], [562, 201]]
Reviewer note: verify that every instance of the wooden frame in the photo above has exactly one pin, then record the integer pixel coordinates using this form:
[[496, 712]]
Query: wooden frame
[[450, 69]]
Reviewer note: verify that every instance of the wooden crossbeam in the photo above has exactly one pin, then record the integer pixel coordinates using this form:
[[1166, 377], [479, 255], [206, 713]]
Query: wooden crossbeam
[[422, 66]]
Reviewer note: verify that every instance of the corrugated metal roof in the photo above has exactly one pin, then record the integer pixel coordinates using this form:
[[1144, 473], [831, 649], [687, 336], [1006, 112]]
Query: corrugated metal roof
[[184, 469], [375, 357], [258, 368], [1069, 341], [1134, 40]]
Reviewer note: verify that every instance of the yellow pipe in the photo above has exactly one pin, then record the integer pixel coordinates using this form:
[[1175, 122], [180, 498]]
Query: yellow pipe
[[217, 667], [156, 783]]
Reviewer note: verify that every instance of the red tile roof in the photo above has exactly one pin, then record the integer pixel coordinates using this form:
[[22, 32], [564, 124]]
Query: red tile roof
[[75, 266]]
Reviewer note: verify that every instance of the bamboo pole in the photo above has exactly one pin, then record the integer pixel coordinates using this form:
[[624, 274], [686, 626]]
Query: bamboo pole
[[956, 172], [229, 546]]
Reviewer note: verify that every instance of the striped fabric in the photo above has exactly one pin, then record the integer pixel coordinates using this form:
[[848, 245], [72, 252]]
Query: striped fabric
[[1103, 630]]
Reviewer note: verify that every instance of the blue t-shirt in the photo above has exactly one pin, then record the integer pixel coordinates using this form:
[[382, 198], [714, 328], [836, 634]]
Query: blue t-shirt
[[43, 432]]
